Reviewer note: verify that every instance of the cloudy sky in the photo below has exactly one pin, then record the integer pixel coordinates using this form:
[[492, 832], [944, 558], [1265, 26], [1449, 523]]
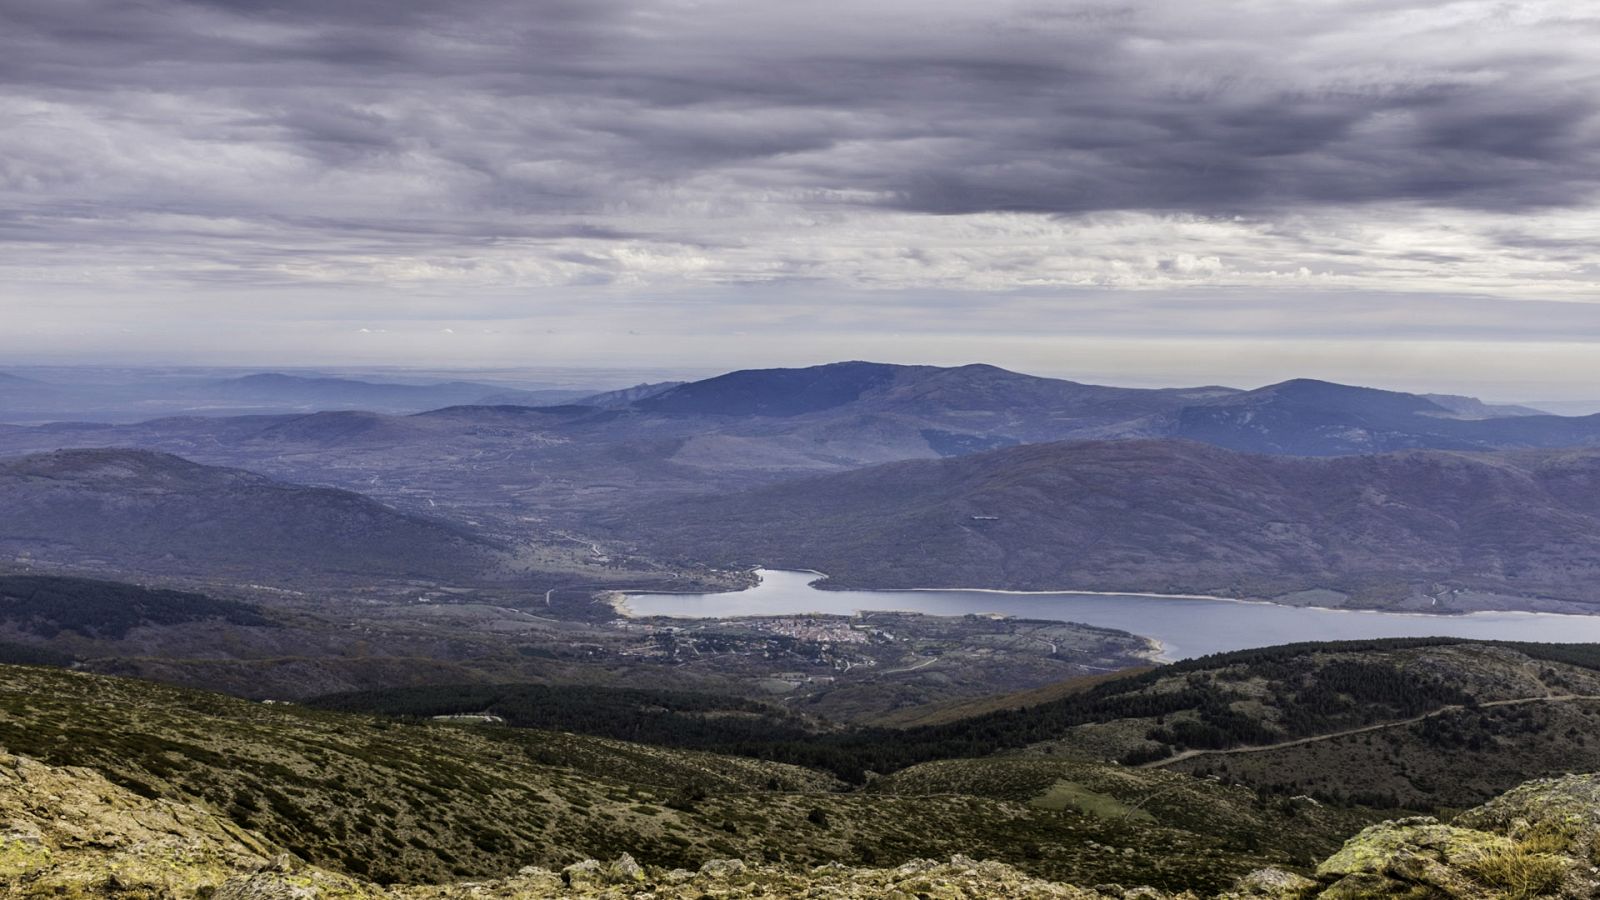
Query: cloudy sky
[[1401, 193]]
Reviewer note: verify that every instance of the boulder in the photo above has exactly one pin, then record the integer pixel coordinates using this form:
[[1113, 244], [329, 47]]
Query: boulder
[[586, 873], [625, 870], [1273, 884], [1407, 855], [722, 868]]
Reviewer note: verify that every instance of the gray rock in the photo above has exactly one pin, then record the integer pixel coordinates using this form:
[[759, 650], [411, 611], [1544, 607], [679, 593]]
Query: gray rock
[[626, 870], [264, 886], [722, 868], [1273, 884], [588, 872]]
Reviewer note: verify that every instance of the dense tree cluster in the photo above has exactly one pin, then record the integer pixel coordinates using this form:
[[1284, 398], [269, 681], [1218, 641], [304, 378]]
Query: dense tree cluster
[[48, 605], [23, 655], [665, 718]]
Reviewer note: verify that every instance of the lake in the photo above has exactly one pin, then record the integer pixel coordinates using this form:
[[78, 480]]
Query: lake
[[1185, 627]]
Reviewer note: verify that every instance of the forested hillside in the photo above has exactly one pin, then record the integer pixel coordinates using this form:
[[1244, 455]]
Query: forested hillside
[[1169, 517]]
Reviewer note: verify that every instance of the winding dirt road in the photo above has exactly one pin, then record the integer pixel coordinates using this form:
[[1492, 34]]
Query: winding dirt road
[[1263, 748]]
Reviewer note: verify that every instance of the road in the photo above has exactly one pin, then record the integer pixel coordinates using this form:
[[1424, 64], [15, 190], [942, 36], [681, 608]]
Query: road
[[1191, 754], [911, 668]]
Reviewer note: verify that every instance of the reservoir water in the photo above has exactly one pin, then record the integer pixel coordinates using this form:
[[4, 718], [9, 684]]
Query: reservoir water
[[1185, 627]]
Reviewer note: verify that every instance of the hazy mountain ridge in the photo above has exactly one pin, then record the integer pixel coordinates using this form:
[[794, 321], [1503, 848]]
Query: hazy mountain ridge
[[989, 401], [32, 400], [548, 471], [854, 413], [142, 511], [1305, 417], [1173, 517], [1473, 408], [627, 396], [1300, 417], [322, 392], [979, 400]]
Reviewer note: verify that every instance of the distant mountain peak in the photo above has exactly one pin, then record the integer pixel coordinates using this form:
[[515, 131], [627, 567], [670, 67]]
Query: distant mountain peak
[[268, 378], [983, 367], [775, 392], [1317, 387], [1332, 395]]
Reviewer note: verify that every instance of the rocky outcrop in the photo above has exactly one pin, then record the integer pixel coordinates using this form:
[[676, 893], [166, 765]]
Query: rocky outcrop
[[1557, 814], [1539, 840], [69, 833], [1402, 857]]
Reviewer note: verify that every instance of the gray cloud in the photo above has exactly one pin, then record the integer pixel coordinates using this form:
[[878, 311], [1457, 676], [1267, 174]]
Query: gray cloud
[[931, 107], [470, 153]]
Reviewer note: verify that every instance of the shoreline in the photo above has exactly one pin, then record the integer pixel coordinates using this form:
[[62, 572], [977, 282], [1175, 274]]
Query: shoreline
[[1154, 653], [823, 576], [618, 601], [626, 611], [1443, 614]]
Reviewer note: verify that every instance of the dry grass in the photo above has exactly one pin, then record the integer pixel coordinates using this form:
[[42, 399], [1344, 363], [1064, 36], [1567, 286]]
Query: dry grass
[[1518, 872]]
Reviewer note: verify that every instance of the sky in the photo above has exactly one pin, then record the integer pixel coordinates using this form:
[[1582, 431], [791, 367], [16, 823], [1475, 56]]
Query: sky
[[1238, 191]]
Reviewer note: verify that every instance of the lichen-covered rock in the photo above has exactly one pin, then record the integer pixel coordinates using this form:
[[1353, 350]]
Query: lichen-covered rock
[[1365, 885], [1407, 856], [583, 874], [22, 850], [267, 886], [1560, 815], [69, 832], [1538, 840], [625, 870]]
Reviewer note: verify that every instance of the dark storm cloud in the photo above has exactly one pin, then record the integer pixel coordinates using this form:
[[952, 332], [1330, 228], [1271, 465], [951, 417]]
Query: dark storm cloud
[[931, 107]]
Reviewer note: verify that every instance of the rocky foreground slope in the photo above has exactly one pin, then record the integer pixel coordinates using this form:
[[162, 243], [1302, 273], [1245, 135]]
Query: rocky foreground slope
[[69, 833]]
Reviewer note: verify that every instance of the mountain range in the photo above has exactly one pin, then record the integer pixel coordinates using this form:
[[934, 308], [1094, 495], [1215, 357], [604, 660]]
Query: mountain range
[[762, 425], [668, 466], [961, 409], [855, 412], [318, 393]]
